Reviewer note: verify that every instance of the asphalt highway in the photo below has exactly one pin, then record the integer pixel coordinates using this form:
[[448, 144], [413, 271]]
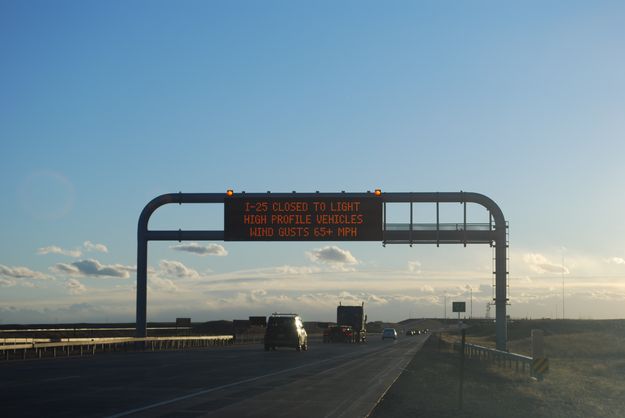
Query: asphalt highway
[[328, 380]]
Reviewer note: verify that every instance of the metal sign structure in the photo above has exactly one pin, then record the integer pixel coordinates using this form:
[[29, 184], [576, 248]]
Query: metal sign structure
[[330, 217]]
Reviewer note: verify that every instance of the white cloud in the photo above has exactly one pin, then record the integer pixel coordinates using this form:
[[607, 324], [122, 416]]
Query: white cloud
[[258, 294], [332, 255], [615, 260], [414, 266], [349, 298], [486, 289], [160, 284], [177, 269], [330, 300], [296, 270], [540, 264], [9, 273], [66, 312], [377, 300], [426, 289], [4, 282], [202, 250], [8, 282], [607, 295], [53, 249], [317, 299], [89, 246], [92, 267], [74, 287], [252, 299]]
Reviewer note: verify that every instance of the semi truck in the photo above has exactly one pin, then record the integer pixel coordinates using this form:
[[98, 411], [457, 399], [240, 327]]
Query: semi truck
[[354, 317]]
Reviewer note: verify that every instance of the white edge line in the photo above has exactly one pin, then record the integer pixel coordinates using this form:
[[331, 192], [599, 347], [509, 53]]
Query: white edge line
[[394, 380]]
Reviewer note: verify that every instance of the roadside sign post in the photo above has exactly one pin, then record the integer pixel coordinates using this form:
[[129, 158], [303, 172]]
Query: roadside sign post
[[538, 346], [540, 362], [462, 346]]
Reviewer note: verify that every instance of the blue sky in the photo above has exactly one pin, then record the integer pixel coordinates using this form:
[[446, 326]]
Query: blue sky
[[106, 105]]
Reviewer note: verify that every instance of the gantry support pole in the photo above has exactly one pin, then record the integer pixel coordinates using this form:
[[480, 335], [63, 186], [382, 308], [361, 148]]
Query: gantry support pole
[[144, 235], [501, 290], [501, 275]]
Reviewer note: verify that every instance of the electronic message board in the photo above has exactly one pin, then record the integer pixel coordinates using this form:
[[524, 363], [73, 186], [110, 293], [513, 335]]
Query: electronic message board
[[302, 218]]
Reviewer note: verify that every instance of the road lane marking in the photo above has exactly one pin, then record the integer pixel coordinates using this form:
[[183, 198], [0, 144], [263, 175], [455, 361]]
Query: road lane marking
[[240, 382]]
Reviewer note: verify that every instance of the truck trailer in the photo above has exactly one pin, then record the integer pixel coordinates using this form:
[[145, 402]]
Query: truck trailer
[[354, 317]]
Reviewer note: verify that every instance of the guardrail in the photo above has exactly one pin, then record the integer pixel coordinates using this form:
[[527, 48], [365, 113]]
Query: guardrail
[[23, 330], [500, 358], [90, 346]]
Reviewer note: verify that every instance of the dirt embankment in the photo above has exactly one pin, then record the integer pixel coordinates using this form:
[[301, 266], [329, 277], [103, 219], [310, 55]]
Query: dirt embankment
[[586, 377]]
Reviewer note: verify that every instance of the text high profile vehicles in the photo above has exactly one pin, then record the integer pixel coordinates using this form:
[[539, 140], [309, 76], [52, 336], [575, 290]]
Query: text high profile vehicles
[[285, 330], [355, 318]]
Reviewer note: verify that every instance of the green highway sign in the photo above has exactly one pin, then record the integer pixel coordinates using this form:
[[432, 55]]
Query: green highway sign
[[459, 306]]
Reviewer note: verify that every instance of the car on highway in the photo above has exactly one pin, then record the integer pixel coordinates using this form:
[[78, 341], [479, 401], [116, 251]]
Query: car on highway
[[338, 333], [389, 333], [285, 330]]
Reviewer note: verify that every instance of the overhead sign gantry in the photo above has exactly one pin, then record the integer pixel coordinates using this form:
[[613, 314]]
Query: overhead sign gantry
[[330, 217]]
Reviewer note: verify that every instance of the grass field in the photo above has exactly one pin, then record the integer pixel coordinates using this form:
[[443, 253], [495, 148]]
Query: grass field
[[586, 378]]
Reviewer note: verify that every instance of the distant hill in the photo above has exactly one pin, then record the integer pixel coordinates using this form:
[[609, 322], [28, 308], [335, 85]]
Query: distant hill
[[420, 324]]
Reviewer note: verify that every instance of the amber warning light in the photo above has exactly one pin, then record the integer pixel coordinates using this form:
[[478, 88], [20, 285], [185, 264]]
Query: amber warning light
[[229, 192], [378, 192]]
